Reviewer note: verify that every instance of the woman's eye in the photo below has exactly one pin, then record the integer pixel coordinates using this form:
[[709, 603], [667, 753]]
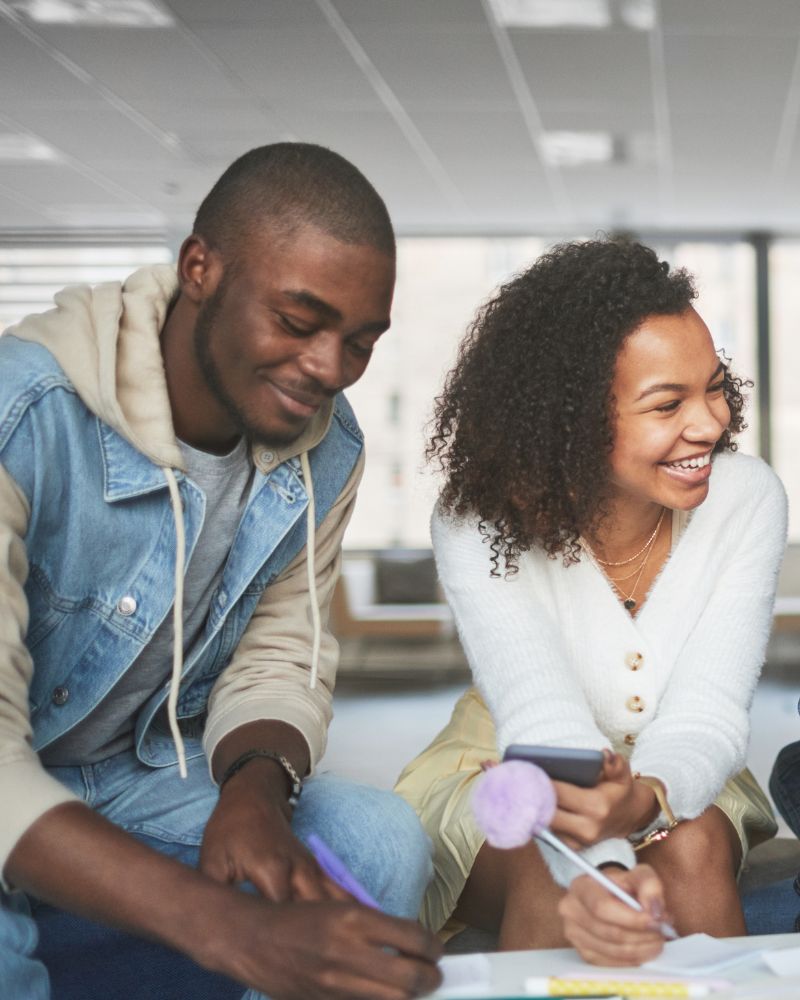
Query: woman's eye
[[669, 407], [717, 387]]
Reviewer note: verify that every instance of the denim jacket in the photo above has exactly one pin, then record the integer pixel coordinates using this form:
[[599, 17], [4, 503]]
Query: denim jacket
[[87, 513]]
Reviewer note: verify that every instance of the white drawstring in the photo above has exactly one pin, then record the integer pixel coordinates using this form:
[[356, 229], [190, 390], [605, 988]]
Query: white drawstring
[[177, 619], [177, 609], [311, 530]]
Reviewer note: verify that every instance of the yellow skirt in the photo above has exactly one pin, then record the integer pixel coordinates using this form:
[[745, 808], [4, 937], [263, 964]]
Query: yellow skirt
[[438, 784]]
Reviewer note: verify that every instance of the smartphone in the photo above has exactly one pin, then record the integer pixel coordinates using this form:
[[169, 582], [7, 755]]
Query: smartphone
[[578, 767]]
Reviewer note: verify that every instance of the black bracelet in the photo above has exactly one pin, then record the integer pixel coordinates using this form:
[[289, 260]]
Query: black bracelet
[[295, 781]]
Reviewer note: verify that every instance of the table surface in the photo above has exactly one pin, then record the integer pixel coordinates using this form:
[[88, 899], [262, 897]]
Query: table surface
[[510, 969]]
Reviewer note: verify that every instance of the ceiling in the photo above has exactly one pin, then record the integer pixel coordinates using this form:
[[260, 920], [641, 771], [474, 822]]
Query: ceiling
[[445, 109]]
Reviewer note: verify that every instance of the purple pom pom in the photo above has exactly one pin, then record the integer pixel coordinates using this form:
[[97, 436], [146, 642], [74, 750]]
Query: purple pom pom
[[512, 802]]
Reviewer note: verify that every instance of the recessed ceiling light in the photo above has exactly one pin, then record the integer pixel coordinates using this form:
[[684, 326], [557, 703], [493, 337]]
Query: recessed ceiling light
[[98, 13], [577, 149], [552, 13], [15, 148], [587, 14]]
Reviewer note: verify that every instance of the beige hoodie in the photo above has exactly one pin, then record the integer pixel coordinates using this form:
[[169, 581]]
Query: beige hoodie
[[106, 339]]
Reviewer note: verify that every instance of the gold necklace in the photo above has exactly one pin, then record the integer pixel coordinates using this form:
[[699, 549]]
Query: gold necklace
[[628, 601], [624, 562], [622, 579]]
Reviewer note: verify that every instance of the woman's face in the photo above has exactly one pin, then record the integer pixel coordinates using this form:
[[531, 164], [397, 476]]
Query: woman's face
[[671, 411]]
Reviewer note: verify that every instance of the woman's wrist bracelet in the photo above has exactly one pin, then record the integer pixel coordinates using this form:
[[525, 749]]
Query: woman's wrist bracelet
[[294, 779], [661, 832]]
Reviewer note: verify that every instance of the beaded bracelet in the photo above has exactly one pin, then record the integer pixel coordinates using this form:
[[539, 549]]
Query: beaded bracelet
[[295, 781]]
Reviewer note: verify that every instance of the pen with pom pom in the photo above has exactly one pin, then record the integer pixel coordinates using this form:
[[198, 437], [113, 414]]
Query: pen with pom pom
[[515, 802]]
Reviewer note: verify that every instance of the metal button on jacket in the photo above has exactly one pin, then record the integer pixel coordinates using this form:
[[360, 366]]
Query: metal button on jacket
[[60, 695], [634, 661], [126, 605], [635, 703]]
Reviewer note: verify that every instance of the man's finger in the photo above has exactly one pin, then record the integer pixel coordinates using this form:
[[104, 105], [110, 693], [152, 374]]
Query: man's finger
[[406, 936], [271, 878]]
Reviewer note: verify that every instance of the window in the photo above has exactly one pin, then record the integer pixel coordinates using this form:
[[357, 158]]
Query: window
[[784, 264], [440, 284], [31, 272]]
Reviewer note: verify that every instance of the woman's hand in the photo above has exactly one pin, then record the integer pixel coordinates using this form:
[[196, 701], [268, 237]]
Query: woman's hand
[[605, 931], [616, 807]]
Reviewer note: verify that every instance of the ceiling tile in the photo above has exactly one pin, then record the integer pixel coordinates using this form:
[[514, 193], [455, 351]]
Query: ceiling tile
[[29, 73], [594, 69], [291, 64], [452, 64], [49, 184], [417, 14], [249, 12], [139, 64], [717, 74], [727, 17]]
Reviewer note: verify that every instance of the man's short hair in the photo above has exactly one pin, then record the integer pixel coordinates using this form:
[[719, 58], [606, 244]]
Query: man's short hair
[[286, 185]]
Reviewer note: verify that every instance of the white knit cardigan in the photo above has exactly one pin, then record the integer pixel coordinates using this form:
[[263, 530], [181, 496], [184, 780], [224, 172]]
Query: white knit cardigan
[[559, 661]]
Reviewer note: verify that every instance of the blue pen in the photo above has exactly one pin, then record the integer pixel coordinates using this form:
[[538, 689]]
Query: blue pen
[[336, 870]]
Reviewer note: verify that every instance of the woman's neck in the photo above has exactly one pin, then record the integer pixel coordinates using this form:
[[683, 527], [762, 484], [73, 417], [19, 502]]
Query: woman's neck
[[626, 528]]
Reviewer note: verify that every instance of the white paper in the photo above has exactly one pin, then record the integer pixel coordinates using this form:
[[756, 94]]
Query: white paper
[[465, 974], [702, 955], [783, 961]]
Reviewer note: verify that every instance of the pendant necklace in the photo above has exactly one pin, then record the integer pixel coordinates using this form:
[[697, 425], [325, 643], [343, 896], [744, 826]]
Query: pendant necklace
[[628, 601]]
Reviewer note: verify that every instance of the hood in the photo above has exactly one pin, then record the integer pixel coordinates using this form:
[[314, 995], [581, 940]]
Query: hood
[[106, 339]]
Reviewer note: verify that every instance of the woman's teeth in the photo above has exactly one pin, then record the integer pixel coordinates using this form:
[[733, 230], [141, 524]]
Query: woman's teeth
[[691, 463]]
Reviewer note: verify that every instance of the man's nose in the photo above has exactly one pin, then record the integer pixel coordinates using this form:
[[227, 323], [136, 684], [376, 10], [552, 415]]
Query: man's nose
[[323, 361]]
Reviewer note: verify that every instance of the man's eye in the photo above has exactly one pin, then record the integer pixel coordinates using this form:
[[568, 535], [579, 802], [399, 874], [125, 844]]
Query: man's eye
[[293, 328], [362, 350]]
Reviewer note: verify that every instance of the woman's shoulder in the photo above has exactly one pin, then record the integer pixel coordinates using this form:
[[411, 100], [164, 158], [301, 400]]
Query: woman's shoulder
[[744, 480], [745, 496]]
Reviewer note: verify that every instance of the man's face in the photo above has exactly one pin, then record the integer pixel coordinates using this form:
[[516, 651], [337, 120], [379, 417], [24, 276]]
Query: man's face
[[288, 326]]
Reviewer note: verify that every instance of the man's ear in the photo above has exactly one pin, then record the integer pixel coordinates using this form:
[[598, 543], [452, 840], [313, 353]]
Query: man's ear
[[199, 269]]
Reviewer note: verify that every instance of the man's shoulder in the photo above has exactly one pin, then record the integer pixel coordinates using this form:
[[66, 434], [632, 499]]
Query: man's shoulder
[[29, 371]]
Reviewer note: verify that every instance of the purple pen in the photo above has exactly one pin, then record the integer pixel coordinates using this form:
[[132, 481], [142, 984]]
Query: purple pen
[[336, 869]]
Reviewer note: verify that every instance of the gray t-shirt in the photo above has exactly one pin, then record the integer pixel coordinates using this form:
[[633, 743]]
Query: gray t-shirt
[[226, 481]]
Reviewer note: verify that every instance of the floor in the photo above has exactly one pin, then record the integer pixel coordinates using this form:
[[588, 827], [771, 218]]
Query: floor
[[379, 726]]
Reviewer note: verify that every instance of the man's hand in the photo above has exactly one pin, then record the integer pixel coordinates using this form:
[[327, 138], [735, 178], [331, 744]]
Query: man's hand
[[290, 951], [249, 839], [616, 807], [331, 950], [607, 932]]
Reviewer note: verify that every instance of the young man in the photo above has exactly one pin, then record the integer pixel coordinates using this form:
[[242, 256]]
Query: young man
[[177, 467]]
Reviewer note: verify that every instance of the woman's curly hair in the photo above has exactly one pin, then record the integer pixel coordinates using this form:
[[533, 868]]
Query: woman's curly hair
[[525, 424]]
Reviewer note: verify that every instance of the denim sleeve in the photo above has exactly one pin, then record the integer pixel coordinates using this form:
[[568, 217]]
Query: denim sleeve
[[784, 785]]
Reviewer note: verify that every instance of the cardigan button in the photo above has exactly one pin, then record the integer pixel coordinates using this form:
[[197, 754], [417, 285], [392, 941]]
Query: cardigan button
[[60, 695], [635, 704], [629, 739], [634, 660]]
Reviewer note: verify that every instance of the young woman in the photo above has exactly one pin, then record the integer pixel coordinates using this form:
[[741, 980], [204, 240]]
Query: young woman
[[611, 564]]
